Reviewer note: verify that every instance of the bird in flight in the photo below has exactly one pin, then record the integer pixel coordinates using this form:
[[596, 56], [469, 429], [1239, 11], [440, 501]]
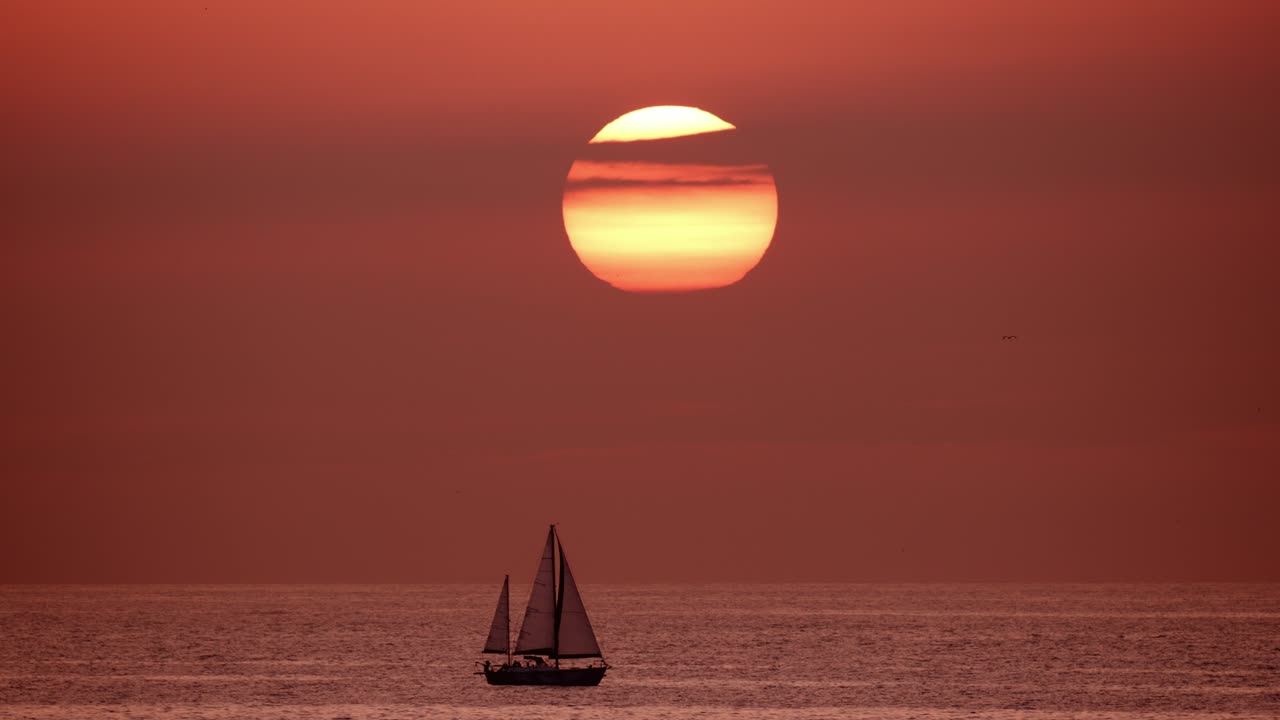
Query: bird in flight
[[1008, 337]]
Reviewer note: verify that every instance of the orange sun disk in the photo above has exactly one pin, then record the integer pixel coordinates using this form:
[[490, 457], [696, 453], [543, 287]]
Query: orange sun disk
[[651, 225]]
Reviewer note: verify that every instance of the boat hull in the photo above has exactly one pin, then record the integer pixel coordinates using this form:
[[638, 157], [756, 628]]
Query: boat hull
[[545, 676]]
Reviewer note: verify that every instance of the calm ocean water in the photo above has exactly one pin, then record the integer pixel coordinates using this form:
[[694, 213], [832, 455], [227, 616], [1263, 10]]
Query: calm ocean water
[[680, 651]]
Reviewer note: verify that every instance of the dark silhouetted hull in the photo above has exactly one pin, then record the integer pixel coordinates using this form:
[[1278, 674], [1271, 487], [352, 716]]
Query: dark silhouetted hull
[[545, 676]]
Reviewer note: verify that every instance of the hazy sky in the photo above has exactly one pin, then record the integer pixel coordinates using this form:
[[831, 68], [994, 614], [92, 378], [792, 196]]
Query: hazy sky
[[286, 294]]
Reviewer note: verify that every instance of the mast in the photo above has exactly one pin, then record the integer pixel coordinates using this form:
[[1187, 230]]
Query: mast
[[559, 597], [506, 593]]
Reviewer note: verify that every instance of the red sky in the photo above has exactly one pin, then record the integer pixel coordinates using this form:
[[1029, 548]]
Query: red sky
[[286, 296]]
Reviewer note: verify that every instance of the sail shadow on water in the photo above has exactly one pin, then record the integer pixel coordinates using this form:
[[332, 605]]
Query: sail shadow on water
[[555, 628]]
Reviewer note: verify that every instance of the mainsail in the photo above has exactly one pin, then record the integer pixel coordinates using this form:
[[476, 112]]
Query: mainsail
[[500, 631], [538, 633], [575, 638]]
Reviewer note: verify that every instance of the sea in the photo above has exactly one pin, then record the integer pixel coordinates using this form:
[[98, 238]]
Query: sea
[[399, 652]]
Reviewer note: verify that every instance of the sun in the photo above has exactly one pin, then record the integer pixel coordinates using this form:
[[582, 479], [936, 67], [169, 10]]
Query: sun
[[669, 199], [659, 122]]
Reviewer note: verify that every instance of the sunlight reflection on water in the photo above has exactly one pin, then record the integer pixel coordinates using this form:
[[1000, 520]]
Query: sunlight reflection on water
[[717, 651]]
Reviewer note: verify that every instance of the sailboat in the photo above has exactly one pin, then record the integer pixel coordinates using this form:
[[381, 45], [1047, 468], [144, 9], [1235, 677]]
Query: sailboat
[[556, 627]]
